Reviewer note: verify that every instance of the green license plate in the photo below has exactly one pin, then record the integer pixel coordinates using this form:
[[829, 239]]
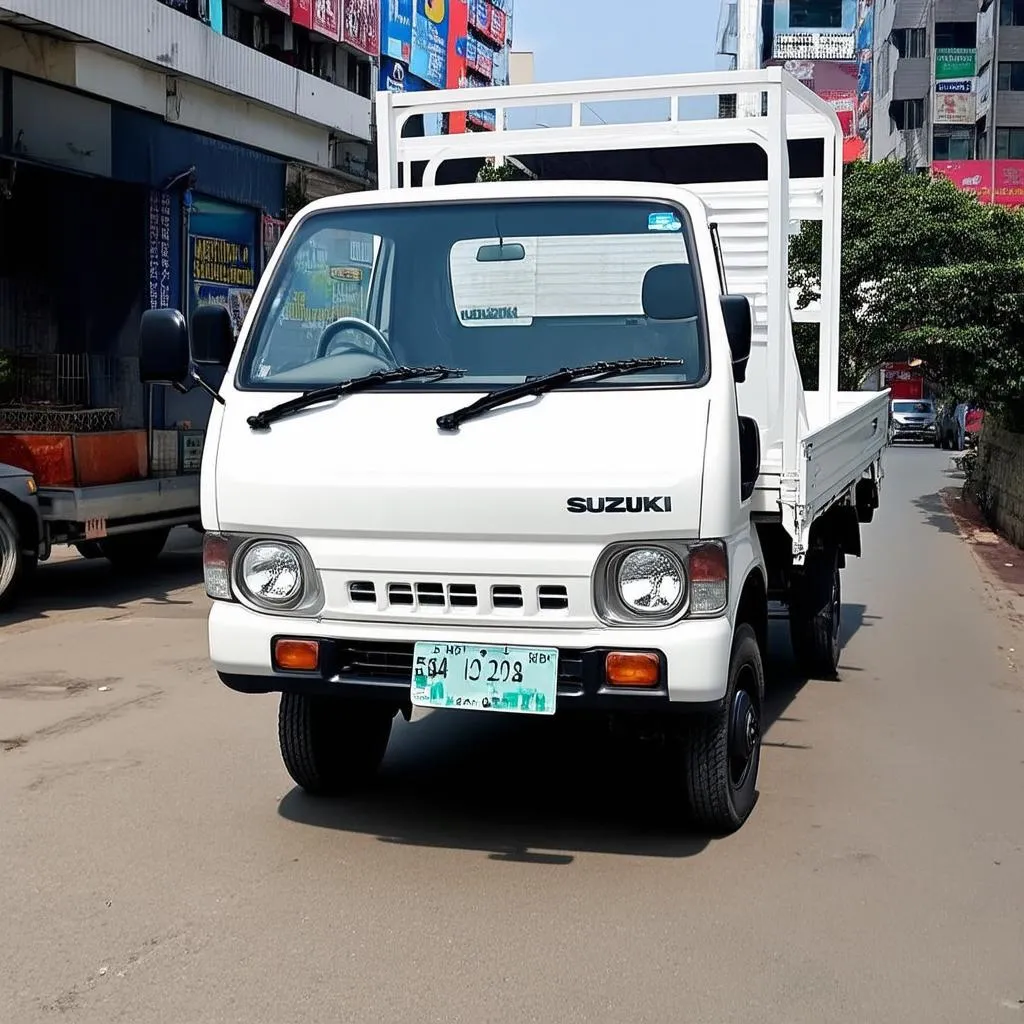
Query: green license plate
[[522, 680]]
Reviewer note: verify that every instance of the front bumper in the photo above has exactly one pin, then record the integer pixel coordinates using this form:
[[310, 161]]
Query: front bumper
[[914, 431], [375, 662]]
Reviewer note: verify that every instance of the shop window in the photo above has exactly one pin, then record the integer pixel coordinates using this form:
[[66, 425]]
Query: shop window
[[1011, 12], [907, 114], [956, 35], [816, 14], [1010, 143], [1011, 76]]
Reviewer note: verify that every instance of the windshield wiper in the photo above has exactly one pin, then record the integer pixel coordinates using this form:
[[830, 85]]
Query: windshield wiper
[[262, 420], [549, 382]]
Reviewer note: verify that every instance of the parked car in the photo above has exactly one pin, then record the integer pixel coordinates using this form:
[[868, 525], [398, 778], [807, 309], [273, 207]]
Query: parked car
[[912, 420]]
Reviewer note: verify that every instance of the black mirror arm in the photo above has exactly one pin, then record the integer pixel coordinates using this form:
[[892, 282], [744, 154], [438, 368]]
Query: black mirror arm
[[195, 378]]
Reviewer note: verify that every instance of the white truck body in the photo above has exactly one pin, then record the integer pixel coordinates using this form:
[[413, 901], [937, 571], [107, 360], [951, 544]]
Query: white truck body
[[405, 533]]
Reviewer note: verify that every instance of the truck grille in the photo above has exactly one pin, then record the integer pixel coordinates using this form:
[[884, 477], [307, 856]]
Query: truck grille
[[550, 597]]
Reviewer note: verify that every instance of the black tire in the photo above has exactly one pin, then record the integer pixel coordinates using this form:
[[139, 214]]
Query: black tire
[[331, 746], [815, 614], [134, 552], [90, 549], [937, 441], [722, 752], [15, 566]]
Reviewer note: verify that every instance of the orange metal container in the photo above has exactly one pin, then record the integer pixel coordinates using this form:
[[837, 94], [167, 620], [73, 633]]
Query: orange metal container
[[112, 457], [49, 457]]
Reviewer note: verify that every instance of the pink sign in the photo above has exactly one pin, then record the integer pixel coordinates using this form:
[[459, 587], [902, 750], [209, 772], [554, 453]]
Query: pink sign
[[327, 18], [976, 176], [284, 6], [360, 25], [302, 13]]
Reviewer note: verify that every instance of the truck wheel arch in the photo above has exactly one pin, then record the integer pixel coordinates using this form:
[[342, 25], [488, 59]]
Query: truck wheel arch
[[25, 518], [753, 607]]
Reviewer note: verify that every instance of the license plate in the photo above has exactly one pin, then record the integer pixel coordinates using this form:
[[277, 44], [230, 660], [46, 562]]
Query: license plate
[[521, 680], [95, 529]]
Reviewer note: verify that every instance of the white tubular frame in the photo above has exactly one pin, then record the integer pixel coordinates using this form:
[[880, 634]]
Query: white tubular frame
[[794, 112]]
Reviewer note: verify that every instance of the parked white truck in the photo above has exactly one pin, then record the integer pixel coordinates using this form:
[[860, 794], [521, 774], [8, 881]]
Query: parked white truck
[[563, 460]]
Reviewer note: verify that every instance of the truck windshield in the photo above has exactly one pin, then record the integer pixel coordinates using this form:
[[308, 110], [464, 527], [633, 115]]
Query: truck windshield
[[503, 290]]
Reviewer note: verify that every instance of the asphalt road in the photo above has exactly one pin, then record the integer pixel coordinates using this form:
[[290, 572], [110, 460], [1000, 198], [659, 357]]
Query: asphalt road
[[158, 866]]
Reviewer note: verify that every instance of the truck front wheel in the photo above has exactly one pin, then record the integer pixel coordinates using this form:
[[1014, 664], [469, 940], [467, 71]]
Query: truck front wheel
[[332, 746], [815, 613], [134, 551], [722, 752]]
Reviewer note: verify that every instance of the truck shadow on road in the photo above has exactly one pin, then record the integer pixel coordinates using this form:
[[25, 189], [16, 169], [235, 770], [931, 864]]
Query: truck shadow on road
[[534, 792], [73, 583]]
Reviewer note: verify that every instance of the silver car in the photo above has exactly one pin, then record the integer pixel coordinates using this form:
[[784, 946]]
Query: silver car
[[912, 420]]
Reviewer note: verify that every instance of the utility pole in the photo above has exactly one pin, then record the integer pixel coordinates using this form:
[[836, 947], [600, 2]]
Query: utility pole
[[748, 19]]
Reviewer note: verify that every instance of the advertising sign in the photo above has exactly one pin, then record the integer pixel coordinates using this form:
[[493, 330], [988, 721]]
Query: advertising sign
[[284, 6], [327, 18], [160, 257], [976, 176], [396, 29], [798, 37], [360, 25], [222, 258], [983, 89], [302, 13], [429, 59], [865, 54], [455, 73], [955, 100], [395, 77]]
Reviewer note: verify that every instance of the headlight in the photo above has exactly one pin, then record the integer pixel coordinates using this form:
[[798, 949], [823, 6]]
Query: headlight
[[651, 582], [272, 574]]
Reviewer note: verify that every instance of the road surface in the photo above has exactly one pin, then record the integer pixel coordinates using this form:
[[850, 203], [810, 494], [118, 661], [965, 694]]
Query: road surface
[[158, 866]]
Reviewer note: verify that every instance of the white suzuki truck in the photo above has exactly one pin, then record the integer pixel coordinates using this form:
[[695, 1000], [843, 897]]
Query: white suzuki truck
[[541, 446]]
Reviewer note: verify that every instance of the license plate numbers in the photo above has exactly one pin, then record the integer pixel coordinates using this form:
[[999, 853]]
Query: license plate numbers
[[519, 680], [95, 529]]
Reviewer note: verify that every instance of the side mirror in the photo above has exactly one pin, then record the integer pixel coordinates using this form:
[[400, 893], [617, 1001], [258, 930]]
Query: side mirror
[[739, 328], [164, 356], [213, 336]]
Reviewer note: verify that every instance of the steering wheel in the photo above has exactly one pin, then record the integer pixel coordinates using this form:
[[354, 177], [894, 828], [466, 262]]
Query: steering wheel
[[346, 323]]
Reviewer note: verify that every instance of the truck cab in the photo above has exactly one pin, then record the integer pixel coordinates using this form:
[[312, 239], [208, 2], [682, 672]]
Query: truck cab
[[509, 469]]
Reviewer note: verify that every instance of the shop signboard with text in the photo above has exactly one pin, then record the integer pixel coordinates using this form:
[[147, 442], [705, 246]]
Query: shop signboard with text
[[360, 25], [955, 99], [802, 33], [429, 59], [302, 13], [327, 18], [222, 257], [396, 29], [455, 72], [395, 77], [1005, 189], [284, 6], [865, 56]]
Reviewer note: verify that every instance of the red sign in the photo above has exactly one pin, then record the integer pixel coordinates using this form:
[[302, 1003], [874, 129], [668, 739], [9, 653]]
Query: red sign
[[284, 6], [327, 18], [976, 176], [302, 13], [497, 27], [458, 30], [360, 25]]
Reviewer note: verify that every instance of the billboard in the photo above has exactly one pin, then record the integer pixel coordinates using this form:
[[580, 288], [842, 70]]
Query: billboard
[[360, 25], [396, 29], [302, 13], [955, 99], [455, 73], [394, 77], [865, 54], [284, 6], [429, 58], [1006, 189], [798, 37], [327, 18]]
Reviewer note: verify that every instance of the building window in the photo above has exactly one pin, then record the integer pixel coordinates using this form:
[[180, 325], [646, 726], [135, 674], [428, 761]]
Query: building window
[[911, 42], [1011, 12], [955, 146], [1010, 143], [1011, 76], [907, 114], [956, 35], [816, 14]]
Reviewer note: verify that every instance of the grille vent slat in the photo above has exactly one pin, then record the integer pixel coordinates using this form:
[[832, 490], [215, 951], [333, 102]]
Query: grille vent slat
[[507, 596]]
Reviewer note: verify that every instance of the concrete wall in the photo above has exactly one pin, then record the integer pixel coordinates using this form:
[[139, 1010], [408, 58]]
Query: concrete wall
[[998, 480]]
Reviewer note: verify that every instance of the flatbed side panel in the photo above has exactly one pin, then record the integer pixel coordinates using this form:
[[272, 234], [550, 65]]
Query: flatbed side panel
[[838, 454], [169, 496]]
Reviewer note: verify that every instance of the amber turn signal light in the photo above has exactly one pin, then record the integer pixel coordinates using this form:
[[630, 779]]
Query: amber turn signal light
[[296, 655], [632, 669]]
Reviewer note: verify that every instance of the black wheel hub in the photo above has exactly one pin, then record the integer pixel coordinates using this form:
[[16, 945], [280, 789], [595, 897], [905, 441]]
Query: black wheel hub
[[744, 728]]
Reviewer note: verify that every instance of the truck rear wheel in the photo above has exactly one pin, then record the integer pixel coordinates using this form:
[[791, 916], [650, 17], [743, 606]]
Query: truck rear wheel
[[815, 613], [15, 566], [134, 551], [332, 746], [722, 752]]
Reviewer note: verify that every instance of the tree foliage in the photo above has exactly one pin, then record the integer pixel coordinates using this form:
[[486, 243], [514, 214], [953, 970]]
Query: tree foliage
[[927, 272]]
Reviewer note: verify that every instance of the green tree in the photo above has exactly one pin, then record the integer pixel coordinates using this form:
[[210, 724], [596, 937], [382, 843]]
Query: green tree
[[927, 271]]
